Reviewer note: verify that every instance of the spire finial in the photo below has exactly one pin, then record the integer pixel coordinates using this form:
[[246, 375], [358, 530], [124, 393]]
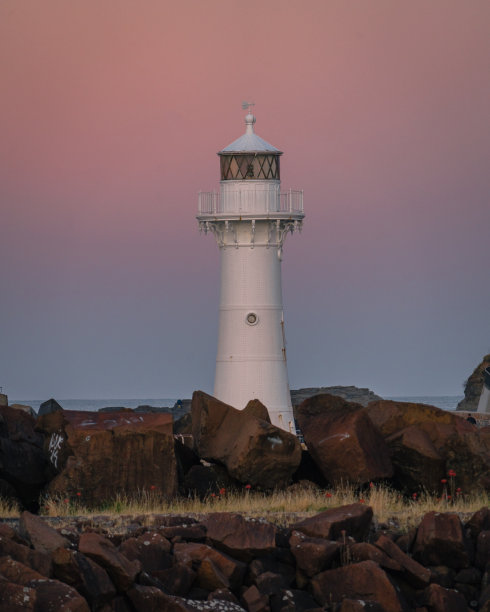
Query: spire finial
[[249, 118]]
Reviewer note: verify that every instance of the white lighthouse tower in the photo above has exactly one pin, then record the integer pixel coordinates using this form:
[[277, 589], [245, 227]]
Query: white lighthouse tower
[[250, 218]]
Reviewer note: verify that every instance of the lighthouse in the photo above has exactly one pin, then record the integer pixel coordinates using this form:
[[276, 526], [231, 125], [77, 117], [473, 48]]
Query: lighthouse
[[250, 218]]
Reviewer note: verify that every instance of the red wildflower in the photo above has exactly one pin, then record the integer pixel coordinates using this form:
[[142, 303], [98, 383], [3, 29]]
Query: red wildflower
[[248, 487], [449, 497], [79, 494], [327, 494], [213, 494], [222, 491], [414, 495], [361, 501], [66, 500], [458, 490], [152, 488], [451, 473], [371, 485], [443, 480]]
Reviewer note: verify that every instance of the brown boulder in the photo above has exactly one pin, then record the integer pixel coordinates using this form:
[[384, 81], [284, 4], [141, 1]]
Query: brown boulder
[[42, 537], [38, 561], [151, 549], [440, 541], [54, 596], [354, 519], [440, 599], [364, 580], [312, 555], [148, 598], [241, 537], [193, 555], [23, 464], [343, 441], [255, 601], [415, 574], [363, 551], [100, 455], [122, 571], [16, 598], [457, 442], [482, 557], [252, 450]]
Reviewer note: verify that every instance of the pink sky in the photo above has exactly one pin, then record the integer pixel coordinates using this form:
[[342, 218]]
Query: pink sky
[[111, 115]]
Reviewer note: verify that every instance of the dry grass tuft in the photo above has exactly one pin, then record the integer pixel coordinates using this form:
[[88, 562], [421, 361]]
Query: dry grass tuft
[[8, 508]]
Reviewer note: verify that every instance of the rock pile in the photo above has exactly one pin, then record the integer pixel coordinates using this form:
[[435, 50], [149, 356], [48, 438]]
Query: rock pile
[[333, 561]]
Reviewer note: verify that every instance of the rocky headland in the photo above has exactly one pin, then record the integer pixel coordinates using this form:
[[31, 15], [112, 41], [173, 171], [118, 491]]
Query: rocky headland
[[473, 386]]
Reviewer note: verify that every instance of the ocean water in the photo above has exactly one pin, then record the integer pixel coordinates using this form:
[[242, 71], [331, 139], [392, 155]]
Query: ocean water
[[446, 402]]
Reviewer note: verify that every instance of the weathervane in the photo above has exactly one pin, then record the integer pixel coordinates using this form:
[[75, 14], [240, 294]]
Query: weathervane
[[247, 105]]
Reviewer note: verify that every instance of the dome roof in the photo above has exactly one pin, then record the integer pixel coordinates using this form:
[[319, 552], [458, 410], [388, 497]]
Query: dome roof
[[250, 142]]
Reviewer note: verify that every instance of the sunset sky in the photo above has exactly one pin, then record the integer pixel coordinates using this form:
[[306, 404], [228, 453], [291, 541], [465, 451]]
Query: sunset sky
[[111, 114]]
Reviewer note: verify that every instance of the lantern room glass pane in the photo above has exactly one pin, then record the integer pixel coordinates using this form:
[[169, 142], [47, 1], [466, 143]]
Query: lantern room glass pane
[[249, 166]]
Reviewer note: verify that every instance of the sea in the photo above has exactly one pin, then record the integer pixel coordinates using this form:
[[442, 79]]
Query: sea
[[446, 402]]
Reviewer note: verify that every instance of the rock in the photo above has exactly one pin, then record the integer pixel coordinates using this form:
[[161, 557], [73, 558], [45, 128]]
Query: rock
[[121, 571], [354, 519], [23, 408], [17, 598], [480, 521], [363, 551], [312, 555], [440, 541], [103, 455], [17, 572], [257, 409], [23, 464], [190, 532], [359, 605], [176, 580], [364, 580], [343, 441], [252, 450], [83, 574], [242, 538], [255, 601], [482, 557], [473, 387], [358, 395], [48, 407], [440, 599], [268, 563], [192, 555], [415, 574], [454, 441], [147, 598], [38, 561], [151, 549], [54, 596], [42, 537]]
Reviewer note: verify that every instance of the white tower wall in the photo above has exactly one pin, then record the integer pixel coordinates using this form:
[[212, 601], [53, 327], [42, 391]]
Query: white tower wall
[[250, 219]]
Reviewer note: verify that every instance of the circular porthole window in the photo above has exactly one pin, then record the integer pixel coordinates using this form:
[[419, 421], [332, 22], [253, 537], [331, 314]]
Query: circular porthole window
[[252, 318]]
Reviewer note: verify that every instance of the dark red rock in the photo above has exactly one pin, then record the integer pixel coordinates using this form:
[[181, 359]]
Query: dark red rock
[[151, 549], [193, 532], [343, 441], [40, 562], [439, 599], [83, 574], [354, 519], [223, 595], [16, 598], [100, 455], [210, 577], [147, 598], [23, 464], [270, 564], [293, 600], [364, 580], [43, 538], [312, 555], [482, 557], [455, 440], [121, 571], [54, 596], [176, 580], [363, 551], [415, 574], [241, 537], [255, 601], [253, 451], [193, 554], [16, 572], [480, 521], [440, 541]]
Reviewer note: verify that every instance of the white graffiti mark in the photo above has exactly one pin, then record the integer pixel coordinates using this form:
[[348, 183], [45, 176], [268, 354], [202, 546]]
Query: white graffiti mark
[[54, 448]]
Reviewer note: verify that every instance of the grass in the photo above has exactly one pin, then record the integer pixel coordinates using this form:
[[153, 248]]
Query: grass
[[281, 507]]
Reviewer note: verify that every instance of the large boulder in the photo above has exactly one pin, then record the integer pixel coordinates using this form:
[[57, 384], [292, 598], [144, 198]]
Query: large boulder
[[98, 455], [252, 450], [350, 393], [440, 540], [473, 386], [426, 442], [24, 469], [343, 441]]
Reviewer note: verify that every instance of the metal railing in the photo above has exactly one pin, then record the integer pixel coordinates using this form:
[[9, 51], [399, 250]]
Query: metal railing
[[250, 202]]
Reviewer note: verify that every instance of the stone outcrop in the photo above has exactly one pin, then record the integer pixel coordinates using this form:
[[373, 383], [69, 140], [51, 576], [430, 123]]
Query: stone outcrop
[[98, 456], [427, 442], [473, 386], [244, 566], [343, 441], [252, 450], [357, 395], [24, 469]]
